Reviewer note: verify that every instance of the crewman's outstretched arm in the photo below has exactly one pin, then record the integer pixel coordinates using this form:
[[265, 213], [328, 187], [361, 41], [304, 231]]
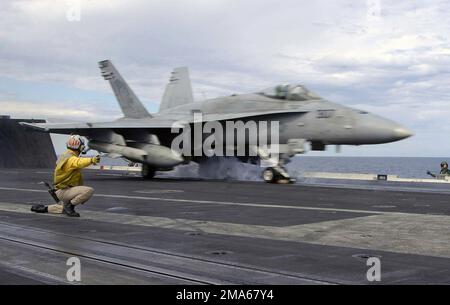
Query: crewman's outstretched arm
[[77, 162]]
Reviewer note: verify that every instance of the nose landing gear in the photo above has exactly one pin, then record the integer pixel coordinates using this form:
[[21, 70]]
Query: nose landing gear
[[277, 174], [274, 172]]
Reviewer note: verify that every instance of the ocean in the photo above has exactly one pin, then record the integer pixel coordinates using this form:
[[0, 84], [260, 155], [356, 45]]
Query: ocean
[[406, 167]]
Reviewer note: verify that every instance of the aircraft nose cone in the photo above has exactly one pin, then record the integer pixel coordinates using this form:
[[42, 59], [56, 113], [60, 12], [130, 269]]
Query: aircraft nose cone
[[375, 129], [402, 133]]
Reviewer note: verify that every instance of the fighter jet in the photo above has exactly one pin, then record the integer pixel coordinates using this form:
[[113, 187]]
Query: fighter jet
[[301, 117]]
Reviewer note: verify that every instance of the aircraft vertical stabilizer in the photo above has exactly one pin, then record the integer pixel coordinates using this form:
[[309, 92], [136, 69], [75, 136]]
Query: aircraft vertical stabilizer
[[178, 90], [128, 101]]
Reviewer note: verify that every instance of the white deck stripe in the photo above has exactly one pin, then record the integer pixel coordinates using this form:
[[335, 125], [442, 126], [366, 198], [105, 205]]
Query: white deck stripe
[[258, 205]]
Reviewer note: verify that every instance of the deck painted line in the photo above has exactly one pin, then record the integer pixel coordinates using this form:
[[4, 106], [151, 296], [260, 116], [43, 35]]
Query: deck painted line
[[156, 191], [258, 205], [398, 188], [33, 273]]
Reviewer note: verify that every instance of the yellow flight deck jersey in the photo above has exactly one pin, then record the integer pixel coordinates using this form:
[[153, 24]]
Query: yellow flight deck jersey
[[68, 170]]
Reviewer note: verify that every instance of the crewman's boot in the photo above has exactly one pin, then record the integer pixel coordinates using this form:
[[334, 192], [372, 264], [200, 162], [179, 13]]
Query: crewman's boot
[[39, 208], [69, 209]]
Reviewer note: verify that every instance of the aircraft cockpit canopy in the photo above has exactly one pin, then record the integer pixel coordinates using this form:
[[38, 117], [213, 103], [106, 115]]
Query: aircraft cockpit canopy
[[290, 92]]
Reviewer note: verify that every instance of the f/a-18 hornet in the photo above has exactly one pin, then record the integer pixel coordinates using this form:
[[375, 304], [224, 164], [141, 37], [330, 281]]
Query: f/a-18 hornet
[[294, 115]]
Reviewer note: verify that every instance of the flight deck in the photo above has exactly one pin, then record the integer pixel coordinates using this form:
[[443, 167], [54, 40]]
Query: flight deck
[[192, 231]]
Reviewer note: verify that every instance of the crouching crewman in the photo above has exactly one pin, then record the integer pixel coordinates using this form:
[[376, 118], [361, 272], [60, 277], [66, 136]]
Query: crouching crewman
[[68, 180]]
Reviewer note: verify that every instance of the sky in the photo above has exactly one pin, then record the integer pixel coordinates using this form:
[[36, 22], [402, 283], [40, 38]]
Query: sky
[[391, 58]]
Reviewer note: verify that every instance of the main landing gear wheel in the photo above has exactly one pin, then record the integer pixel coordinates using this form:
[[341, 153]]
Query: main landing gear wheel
[[147, 172]]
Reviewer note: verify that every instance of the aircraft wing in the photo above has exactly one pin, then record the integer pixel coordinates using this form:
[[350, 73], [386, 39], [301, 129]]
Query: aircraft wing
[[85, 128], [148, 124]]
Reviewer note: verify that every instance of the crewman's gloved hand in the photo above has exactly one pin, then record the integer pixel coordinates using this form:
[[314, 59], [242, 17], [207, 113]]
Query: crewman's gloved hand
[[95, 160]]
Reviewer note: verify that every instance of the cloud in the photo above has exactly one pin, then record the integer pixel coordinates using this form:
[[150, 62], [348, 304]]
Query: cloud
[[55, 110], [392, 58]]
